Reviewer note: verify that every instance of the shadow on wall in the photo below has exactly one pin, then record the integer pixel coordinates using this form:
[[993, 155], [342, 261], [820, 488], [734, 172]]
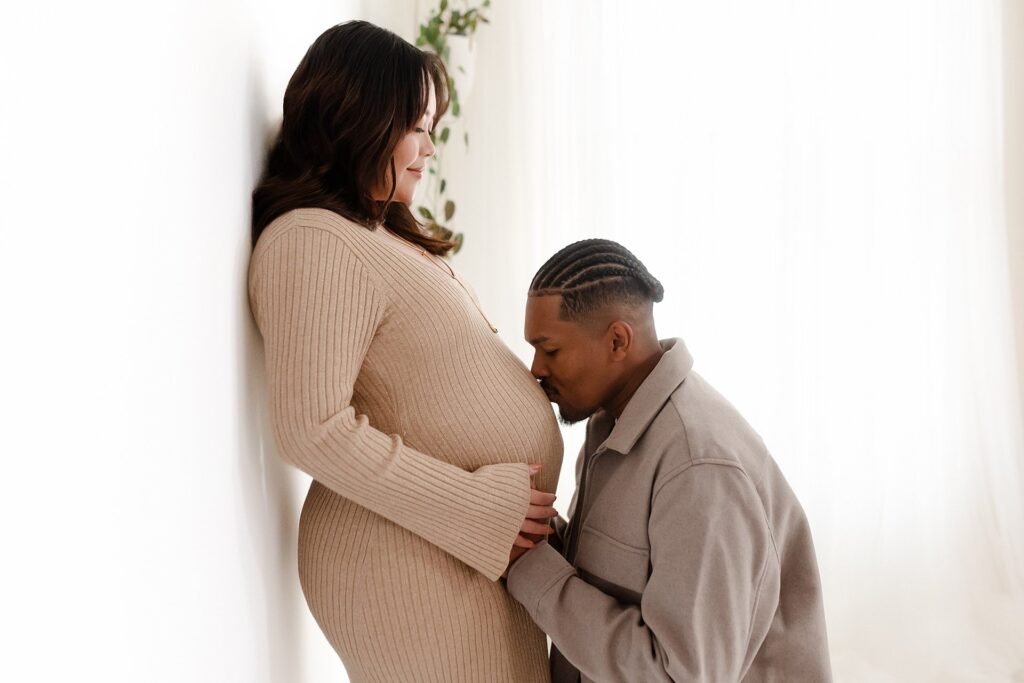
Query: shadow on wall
[[268, 484]]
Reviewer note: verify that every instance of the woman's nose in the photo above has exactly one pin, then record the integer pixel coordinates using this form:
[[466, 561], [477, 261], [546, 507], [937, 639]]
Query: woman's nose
[[427, 148]]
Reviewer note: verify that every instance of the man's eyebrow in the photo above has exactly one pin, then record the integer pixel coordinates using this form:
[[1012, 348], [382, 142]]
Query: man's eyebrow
[[538, 340]]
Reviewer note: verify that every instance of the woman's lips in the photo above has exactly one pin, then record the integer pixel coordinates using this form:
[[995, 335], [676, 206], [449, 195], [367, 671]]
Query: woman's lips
[[417, 171]]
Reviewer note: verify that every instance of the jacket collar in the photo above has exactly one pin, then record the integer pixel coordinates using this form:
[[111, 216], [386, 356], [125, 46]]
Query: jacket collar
[[648, 400]]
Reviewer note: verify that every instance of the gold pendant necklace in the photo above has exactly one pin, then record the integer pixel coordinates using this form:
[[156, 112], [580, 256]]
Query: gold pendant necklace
[[451, 271]]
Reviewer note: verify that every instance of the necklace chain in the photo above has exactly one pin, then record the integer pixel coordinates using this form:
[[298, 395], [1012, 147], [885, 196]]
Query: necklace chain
[[447, 268]]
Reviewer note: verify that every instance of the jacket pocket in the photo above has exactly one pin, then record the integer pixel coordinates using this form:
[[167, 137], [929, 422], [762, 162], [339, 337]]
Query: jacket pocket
[[616, 568]]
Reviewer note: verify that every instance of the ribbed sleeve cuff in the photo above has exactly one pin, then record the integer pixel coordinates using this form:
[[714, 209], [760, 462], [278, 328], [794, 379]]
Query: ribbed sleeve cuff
[[507, 487], [536, 573]]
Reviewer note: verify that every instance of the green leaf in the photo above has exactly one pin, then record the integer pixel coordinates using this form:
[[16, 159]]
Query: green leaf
[[456, 108], [458, 239], [425, 212], [465, 138], [444, 135], [449, 210], [444, 184], [444, 5]]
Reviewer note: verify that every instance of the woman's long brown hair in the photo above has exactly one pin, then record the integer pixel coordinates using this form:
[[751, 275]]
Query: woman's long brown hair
[[355, 94]]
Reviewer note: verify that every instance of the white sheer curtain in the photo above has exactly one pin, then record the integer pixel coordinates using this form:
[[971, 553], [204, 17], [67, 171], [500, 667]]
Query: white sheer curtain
[[819, 185]]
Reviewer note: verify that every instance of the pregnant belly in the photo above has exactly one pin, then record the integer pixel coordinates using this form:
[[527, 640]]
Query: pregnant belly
[[365, 577]]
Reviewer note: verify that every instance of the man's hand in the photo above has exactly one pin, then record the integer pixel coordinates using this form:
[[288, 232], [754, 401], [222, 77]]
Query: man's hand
[[536, 525], [516, 553]]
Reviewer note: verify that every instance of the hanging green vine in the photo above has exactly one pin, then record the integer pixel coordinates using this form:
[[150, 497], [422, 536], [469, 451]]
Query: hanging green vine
[[442, 22]]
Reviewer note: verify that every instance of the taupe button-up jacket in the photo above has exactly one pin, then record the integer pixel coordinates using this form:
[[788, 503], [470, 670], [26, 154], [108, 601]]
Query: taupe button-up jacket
[[687, 556]]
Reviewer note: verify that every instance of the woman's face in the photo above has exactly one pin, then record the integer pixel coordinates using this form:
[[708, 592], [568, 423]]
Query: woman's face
[[410, 156]]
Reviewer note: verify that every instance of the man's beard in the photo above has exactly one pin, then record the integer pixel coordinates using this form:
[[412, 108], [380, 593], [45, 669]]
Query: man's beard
[[571, 418]]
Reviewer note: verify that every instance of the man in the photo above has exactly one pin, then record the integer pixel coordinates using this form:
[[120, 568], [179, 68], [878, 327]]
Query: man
[[688, 556]]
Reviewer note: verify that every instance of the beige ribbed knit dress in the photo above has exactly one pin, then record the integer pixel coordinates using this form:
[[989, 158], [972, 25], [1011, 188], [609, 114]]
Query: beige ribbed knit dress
[[388, 386]]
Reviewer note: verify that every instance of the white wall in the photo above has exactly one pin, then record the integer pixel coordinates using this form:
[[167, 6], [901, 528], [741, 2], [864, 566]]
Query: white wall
[[149, 529], [1013, 122]]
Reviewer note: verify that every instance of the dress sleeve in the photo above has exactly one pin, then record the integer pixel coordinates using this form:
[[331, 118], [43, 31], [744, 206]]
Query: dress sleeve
[[318, 308]]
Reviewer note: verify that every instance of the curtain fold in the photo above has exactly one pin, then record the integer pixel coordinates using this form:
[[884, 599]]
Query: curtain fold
[[820, 187]]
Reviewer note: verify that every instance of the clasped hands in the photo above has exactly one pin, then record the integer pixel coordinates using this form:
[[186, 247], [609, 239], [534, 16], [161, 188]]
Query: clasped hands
[[536, 525]]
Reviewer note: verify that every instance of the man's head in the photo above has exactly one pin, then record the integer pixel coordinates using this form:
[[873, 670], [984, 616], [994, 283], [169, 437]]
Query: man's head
[[590, 319]]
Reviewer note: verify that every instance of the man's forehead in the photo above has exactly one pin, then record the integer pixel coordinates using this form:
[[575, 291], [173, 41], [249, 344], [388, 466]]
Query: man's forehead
[[548, 303], [542, 317]]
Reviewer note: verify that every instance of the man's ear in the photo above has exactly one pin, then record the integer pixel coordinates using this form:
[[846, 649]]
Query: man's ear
[[620, 340]]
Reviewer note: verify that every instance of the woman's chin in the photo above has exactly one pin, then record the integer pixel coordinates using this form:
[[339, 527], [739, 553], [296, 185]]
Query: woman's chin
[[405, 197]]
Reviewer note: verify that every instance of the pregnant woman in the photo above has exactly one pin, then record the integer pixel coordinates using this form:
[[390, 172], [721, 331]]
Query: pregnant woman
[[388, 384]]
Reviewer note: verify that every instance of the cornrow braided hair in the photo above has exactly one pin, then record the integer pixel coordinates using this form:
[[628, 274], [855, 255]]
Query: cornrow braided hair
[[592, 273]]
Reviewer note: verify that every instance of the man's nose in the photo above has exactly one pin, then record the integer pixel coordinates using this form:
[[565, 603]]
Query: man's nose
[[538, 369]]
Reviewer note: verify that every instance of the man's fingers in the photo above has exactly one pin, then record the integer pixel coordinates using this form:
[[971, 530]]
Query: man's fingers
[[531, 527], [541, 497], [541, 512], [523, 542]]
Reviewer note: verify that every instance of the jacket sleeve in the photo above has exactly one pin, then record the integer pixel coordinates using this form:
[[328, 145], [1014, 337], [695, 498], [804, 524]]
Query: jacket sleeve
[[710, 552], [318, 308]]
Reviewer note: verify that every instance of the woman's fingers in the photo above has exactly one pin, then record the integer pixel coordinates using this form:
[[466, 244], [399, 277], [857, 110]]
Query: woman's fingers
[[540, 512], [540, 509], [541, 497], [532, 527]]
